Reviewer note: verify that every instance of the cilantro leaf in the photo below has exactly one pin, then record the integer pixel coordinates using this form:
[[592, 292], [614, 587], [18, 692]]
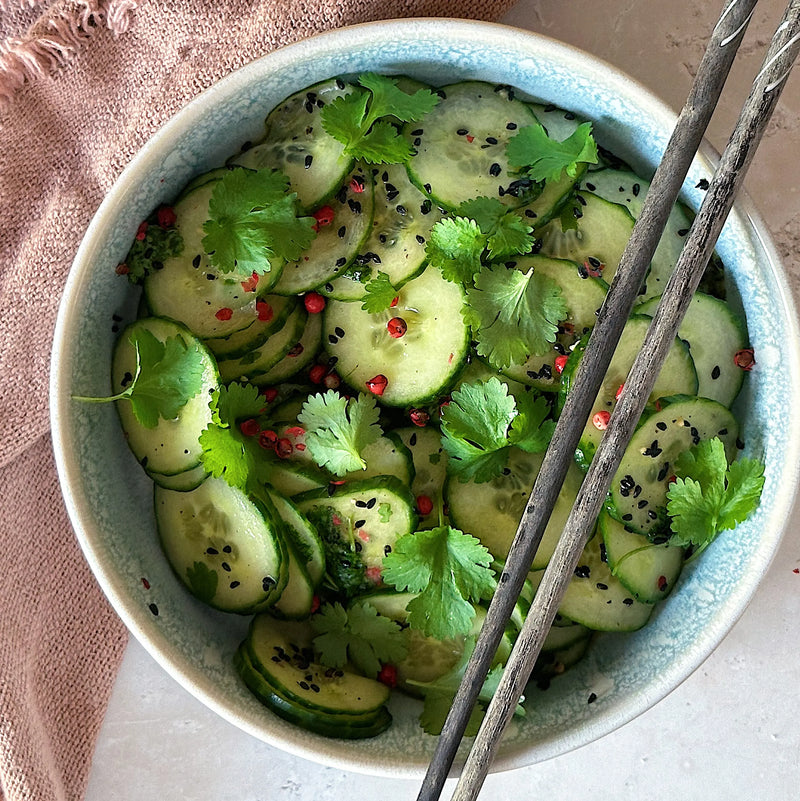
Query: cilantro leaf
[[168, 375], [532, 429], [455, 246], [362, 119], [709, 496], [513, 314], [449, 570], [379, 294], [358, 635], [507, 234], [338, 429], [544, 159], [253, 222]]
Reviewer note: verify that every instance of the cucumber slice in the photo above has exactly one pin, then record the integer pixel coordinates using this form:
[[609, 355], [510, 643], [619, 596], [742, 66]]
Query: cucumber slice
[[291, 478], [171, 448], [225, 547], [347, 218], [714, 334], [181, 482], [598, 600], [297, 144], [602, 233], [299, 356], [584, 295], [648, 570], [430, 469], [401, 226], [303, 537], [461, 146], [418, 366], [638, 494], [210, 303], [677, 376], [297, 597], [553, 663], [491, 511], [328, 725]]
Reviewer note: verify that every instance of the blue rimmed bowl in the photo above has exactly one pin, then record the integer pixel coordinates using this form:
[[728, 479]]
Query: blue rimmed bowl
[[109, 498]]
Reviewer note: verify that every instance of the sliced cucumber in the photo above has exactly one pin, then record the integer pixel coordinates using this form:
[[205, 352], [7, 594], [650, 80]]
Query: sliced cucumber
[[601, 234], [598, 600], [171, 448], [401, 225], [714, 334], [677, 376], [302, 536], [430, 469], [647, 569], [344, 223], [418, 366], [225, 547], [461, 146], [639, 489], [297, 144], [298, 357], [181, 482], [291, 478]]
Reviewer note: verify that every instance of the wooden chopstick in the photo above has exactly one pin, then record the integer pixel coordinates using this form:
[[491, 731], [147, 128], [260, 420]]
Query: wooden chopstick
[[662, 194]]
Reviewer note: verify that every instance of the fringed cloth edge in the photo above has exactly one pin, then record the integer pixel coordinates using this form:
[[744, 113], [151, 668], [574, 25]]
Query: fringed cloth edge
[[54, 39]]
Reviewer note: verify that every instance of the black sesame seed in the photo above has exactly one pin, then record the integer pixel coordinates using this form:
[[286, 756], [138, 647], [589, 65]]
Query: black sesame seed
[[627, 601], [307, 161], [601, 586], [626, 518], [234, 585], [341, 232], [371, 503], [196, 261], [494, 170], [715, 372], [420, 239], [360, 523], [636, 189], [387, 549], [417, 132], [340, 262], [226, 567], [592, 698], [462, 132], [212, 551], [661, 425], [401, 210], [339, 331], [490, 140], [360, 504], [511, 126], [153, 608]]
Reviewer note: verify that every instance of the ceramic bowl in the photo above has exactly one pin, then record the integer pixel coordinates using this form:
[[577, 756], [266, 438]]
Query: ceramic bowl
[[109, 498]]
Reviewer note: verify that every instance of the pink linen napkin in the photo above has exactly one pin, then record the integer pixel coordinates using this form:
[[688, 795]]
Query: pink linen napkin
[[83, 84]]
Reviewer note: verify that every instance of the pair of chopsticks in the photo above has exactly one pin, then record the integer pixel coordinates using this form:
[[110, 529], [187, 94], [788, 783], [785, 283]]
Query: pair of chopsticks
[[664, 189]]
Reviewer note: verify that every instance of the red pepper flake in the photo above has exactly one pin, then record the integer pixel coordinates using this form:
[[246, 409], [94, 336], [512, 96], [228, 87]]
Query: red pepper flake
[[443, 403], [600, 420], [373, 574], [122, 269], [796, 570], [314, 302], [317, 373], [324, 216], [619, 391], [419, 417], [268, 440], [397, 327], [166, 217], [357, 184], [593, 268], [269, 393], [284, 447], [394, 301], [141, 231], [332, 381], [250, 284], [560, 363], [224, 314], [424, 505], [264, 311], [250, 428], [296, 350], [296, 431], [662, 583], [470, 138], [744, 359], [377, 384], [145, 583], [315, 604], [300, 446], [672, 479], [388, 676]]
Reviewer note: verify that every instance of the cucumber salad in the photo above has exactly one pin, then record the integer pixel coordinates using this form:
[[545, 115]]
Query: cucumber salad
[[353, 341]]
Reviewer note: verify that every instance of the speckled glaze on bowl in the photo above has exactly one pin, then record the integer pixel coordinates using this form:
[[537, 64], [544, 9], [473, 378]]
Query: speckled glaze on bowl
[[109, 498]]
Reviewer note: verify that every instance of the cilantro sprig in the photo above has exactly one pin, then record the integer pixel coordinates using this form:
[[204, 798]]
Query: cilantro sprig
[[449, 569], [338, 429], [363, 119], [168, 375], [358, 635], [378, 294], [541, 158], [709, 496], [483, 422], [254, 222], [513, 314]]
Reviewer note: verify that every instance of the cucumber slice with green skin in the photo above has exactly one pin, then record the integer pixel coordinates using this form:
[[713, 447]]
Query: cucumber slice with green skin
[[271, 318], [638, 495], [344, 223], [225, 547], [491, 511], [602, 233], [299, 356], [714, 334], [297, 597], [401, 226], [649, 571], [327, 725], [282, 651], [210, 303], [359, 523], [461, 146], [584, 295], [291, 478], [598, 600], [181, 482], [553, 663], [256, 364], [561, 637], [430, 469], [303, 537], [628, 189], [172, 447], [677, 376], [418, 366], [298, 146]]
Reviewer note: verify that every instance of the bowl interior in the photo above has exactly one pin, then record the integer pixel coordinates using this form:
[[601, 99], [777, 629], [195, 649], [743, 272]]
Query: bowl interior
[[110, 500]]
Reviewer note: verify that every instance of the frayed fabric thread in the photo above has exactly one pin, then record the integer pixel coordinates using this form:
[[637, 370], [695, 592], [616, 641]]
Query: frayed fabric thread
[[55, 38]]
